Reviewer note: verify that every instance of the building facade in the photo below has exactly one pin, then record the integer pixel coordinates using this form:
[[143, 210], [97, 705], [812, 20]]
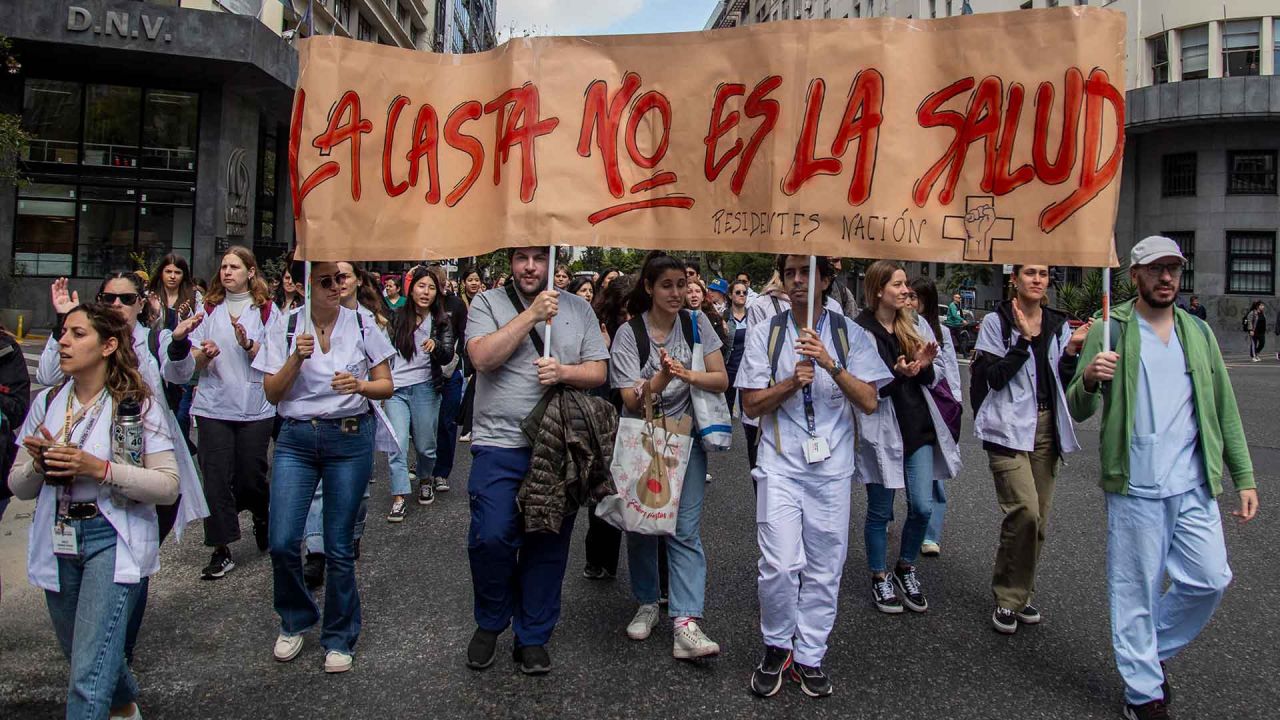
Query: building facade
[[162, 126], [1202, 131]]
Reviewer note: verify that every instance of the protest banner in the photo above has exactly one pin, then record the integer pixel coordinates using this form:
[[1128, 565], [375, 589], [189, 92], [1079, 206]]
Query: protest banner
[[982, 138]]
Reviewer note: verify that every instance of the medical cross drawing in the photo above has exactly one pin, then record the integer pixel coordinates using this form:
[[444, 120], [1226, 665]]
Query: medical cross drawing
[[979, 228]]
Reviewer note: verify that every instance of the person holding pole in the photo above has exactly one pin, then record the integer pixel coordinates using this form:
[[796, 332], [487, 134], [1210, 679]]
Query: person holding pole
[[655, 349], [322, 382], [1169, 420], [522, 338], [1026, 354], [794, 379]]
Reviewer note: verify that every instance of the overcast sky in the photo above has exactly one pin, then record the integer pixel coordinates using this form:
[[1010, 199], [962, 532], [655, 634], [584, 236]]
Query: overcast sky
[[602, 17]]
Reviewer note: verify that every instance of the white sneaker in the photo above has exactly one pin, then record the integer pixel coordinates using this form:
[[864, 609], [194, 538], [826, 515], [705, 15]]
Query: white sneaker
[[288, 647], [465, 438], [336, 661], [643, 623], [136, 715], [691, 642]]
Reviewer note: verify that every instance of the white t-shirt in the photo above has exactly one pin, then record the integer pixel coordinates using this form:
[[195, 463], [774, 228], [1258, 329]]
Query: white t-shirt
[[230, 388], [417, 369], [833, 412], [137, 554], [311, 396]]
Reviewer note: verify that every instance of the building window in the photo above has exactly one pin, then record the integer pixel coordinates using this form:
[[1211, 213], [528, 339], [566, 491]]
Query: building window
[[1251, 172], [165, 222], [169, 130], [1025, 6], [107, 229], [51, 117], [44, 236], [402, 16], [266, 242], [933, 8], [1051, 3], [1275, 35], [940, 271], [342, 11], [1195, 52], [111, 125], [1179, 175], [1251, 262], [1159, 59], [1240, 48], [364, 30], [949, 8], [1187, 242]]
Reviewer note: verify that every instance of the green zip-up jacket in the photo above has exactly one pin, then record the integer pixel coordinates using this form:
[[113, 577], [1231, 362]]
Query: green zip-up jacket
[[1221, 432]]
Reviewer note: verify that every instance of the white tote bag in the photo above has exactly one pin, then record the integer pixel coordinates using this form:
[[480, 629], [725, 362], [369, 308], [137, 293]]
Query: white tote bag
[[710, 409], [650, 457]]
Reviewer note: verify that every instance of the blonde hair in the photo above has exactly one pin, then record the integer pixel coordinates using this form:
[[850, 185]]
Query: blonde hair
[[258, 287], [876, 280]]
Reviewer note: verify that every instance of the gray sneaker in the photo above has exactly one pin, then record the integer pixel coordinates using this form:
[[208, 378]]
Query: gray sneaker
[[397, 511], [442, 484]]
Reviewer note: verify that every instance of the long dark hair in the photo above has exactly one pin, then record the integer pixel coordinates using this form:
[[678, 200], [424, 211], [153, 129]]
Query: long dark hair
[[655, 264], [927, 302], [611, 305], [405, 320], [186, 288], [124, 380]]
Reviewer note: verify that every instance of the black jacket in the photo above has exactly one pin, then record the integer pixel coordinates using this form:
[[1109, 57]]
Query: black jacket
[[15, 397]]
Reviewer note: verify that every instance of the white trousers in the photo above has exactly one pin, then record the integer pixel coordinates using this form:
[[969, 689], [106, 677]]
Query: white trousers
[[1180, 536], [802, 526]]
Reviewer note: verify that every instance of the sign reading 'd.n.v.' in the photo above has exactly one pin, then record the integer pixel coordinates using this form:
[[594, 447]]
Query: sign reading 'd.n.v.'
[[983, 138], [119, 23]]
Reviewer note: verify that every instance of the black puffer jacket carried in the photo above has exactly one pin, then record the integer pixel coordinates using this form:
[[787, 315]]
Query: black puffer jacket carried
[[572, 435]]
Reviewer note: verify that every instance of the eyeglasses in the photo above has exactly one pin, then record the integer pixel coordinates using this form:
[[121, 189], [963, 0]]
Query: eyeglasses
[[327, 281], [740, 293], [107, 298], [1174, 269]]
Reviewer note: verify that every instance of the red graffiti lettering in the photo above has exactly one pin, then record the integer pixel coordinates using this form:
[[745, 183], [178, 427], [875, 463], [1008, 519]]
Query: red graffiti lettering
[[469, 144], [1057, 172], [649, 101], [326, 171], [343, 129], [1093, 176], [863, 115], [517, 130], [601, 118], [393, 116], [720, 125], [806, 165], [426, 134], [759, 105]]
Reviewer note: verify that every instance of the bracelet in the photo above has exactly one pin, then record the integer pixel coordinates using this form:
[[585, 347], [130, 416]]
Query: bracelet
[[106, 475]]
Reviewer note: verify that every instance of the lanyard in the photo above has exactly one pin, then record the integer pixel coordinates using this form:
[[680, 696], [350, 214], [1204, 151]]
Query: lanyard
[[810, 420], [88, 416]]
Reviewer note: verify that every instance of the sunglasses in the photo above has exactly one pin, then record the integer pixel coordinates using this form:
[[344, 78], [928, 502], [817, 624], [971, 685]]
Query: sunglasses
[[107, 298], [740, 293], [327, 281]]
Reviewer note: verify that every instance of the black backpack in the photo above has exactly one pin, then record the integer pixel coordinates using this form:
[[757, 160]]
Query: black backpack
[[978, 387], [641, 334]]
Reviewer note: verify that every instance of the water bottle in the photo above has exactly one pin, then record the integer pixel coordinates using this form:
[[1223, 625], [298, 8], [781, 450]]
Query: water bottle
[[126, 441]]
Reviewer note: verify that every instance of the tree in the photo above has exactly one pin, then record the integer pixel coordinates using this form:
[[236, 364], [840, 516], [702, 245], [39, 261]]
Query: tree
[[1084, 300], [13, 139]]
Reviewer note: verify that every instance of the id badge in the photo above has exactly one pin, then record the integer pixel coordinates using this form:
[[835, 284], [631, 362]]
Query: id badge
[[816, 450], [64, 540]]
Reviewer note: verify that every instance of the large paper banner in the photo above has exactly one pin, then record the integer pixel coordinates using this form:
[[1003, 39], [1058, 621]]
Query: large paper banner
[[982, 138]]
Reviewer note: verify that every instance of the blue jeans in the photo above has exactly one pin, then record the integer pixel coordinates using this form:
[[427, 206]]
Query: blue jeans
[[933, 533], [447, 428], [919, 486], [311, 452], [416, 407], [685, 556], [315, 519], [90, 615], [516, 577]]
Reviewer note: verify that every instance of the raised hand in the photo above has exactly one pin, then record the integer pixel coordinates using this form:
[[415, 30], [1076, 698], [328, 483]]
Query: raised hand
[[242, 338], [63, 302], [186, 327], [1078, 337]]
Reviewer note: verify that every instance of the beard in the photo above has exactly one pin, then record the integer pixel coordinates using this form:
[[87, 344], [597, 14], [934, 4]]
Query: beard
[[1149, 297]]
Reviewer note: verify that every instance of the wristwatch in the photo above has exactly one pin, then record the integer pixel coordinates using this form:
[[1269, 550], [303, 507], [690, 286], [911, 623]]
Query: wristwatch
[[836, 368]]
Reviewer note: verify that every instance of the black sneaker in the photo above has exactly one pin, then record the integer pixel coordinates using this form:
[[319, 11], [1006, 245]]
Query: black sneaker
[[426, 493], [532, 659], [260, 533], [1154, 710], [883, 595], [1165, 688], [1028, 615], [595, 572], [1004, 620], [908, 585], [766, 679], [813, 681], [220, 564], [313, 570], [482, 649]]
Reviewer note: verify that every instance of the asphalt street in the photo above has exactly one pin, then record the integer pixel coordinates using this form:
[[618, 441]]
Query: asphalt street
[[205, 650]]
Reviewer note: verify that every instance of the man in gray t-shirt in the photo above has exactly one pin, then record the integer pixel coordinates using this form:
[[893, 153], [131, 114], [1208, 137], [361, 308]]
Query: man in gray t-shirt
[[516, 577]]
